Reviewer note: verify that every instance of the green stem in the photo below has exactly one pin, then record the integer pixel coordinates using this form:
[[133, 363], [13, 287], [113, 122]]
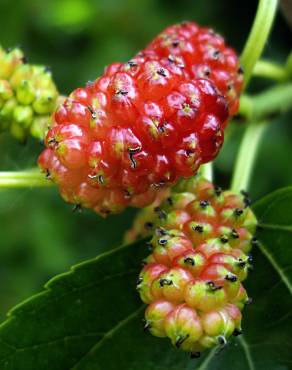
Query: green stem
[[246, 107], [289, 64], [271, 70], [23, 179], [258, 36], [273, 101], [251, 53], [246, 155], [28, 174], [207, 171]]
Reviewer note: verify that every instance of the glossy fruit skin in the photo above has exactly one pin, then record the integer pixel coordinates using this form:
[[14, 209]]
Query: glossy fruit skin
[[140, 127], [200, 239], [28, 96], [204, 54]]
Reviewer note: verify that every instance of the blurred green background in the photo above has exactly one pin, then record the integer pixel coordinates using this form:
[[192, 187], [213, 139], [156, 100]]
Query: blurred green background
[[39, 234]]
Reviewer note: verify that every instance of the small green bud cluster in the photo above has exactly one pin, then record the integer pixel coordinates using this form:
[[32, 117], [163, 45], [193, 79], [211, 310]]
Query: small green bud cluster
[[28, 96]]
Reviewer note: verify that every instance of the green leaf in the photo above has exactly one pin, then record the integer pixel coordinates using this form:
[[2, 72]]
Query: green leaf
[[268, 324], [91, 317]]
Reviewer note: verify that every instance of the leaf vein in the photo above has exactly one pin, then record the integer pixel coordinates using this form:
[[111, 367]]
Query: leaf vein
[[247, 353], [278, 269], [205, 363], [277, 227], [37, 345], [275, 200], [107, 335], [68, 292], [280, 320]]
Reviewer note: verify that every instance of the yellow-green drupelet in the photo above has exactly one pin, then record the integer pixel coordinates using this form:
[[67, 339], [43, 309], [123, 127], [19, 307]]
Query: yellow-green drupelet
[[28, 96], [192, 282]]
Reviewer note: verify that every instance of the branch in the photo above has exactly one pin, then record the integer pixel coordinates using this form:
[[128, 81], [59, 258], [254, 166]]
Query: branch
[[258, 36], [267, 104], [207, 171], [246, 155], [23, 179], [270, 70]]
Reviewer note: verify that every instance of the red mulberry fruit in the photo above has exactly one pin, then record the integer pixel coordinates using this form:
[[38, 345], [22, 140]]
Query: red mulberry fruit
[[204, 55], [142, 126]]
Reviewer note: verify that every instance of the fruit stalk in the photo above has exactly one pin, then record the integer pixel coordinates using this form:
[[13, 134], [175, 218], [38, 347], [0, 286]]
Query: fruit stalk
[[258, 36], [23, 179], [252, 51], [270, 70], [268, 103], [257, 109], [206, 170], [247, 155]]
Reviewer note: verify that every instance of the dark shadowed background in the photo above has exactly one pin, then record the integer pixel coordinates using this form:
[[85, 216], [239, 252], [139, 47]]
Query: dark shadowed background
[[39, 234]]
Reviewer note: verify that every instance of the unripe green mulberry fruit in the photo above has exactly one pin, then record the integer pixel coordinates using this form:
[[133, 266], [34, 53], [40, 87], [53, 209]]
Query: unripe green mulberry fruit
[[28, 96], [192, 280], [183, 327]]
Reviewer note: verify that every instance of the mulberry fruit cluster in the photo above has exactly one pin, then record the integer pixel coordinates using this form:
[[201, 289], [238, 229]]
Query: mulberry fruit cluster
[[192, 281], [146, 123], [27, 96]]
